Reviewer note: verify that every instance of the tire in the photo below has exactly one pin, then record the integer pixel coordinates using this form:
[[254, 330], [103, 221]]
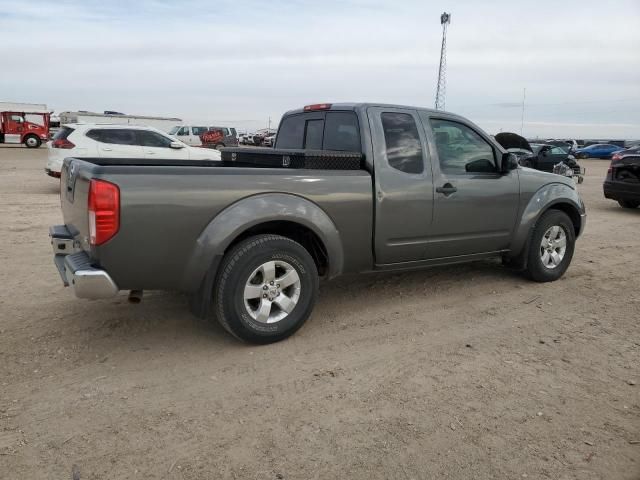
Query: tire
[[246, 271], [556, 226], [628, 203], [32, 141], [219, 146]]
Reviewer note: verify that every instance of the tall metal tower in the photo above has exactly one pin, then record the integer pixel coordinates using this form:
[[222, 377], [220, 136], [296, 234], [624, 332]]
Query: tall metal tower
[[445, 19]]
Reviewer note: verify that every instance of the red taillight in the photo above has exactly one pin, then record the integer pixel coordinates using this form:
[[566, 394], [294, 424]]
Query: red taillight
[[104, 211], [317, 106], [62, 143]]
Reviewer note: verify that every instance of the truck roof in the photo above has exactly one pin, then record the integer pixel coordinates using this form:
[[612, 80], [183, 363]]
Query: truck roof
[[364, 105]]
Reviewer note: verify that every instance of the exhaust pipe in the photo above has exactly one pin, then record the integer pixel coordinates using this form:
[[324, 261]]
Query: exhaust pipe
[[135, 296]]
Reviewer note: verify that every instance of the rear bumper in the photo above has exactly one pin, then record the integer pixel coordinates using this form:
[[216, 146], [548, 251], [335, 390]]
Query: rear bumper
[[621, 191], [52, 173], [75, 268]]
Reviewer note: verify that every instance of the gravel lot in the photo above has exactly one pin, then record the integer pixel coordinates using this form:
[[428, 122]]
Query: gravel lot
[[465, 372]]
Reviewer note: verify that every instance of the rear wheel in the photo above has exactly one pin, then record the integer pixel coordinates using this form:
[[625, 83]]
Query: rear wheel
[[266, 288], [32, 141], [219, 146], [628, 203], [551, 247]]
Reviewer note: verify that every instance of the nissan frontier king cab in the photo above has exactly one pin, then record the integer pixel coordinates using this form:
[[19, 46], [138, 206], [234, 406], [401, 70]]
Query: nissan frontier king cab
[[348, 188]]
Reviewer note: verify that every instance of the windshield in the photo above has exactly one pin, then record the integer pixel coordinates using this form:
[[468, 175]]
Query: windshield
[[536, 147], [174, 130]]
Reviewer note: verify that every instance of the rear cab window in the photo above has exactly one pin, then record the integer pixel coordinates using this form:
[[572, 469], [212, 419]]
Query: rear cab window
[[331, 130]]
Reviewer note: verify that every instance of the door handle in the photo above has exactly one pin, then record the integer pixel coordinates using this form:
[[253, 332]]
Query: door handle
[[447, 189], [105, 149]]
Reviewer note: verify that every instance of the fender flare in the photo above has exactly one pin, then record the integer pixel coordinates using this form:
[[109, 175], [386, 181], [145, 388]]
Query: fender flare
[[248, 212], [550, 195]]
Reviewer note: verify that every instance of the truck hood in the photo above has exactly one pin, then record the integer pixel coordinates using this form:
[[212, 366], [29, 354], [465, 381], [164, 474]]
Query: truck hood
[[545, 178]]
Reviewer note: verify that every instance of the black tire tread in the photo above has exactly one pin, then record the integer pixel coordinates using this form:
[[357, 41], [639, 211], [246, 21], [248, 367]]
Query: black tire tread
[[628, 203], [532, 271], [228, 263]]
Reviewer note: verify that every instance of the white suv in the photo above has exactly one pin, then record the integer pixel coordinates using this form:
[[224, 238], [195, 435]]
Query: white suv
[[118, 141]]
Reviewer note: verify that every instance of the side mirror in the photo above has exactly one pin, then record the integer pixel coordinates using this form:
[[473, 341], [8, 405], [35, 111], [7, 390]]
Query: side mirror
[[509, 162], [480, 166], [176, 145]]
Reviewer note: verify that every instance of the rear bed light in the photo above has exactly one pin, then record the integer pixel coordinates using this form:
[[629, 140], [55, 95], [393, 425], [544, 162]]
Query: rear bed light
[[317, 106], [62, 143], [104, 211]]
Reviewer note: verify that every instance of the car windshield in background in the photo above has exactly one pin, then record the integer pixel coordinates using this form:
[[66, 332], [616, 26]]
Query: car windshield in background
[[174, 130], [536, 147]]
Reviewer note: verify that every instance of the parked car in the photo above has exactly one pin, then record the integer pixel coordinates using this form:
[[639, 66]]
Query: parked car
[[258, 137], [249, 243], [269, 140], [598, 150], [628, 151], [541, 156], [192, 135], [118, 141], [623, 180]]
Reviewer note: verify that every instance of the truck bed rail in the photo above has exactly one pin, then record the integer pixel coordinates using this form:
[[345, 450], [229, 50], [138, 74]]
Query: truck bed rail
[[292, 158]]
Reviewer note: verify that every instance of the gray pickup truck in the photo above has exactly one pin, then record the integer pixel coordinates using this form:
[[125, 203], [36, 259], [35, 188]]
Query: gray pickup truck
[[348, 188]]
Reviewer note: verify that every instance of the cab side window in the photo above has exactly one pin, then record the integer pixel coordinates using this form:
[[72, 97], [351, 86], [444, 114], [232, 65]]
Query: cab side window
[[461, 150], [183, 131], [404, 149]]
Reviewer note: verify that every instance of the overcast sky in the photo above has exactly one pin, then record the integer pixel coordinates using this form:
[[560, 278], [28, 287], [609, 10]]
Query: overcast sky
[[239, 62]]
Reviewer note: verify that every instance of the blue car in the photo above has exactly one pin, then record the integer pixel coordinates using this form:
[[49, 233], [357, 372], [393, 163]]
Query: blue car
[[599, 150]]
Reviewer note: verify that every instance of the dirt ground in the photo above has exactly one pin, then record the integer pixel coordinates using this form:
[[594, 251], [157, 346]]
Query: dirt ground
[[465, 372]]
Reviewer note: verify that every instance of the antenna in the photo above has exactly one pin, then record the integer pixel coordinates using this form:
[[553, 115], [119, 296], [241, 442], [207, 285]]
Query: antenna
[[524, 96], [445, 19]]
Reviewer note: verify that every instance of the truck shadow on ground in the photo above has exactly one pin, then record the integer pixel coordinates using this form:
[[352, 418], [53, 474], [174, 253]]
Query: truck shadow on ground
[[163, 320]]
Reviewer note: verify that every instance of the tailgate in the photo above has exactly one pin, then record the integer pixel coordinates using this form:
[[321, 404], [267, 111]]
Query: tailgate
[[627, 170], [74, 192]]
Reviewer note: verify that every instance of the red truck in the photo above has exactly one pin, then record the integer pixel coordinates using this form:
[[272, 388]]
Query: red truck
[[28, 125]]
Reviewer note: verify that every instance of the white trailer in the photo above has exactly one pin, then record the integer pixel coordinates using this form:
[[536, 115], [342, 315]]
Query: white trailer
[[161, 123], [23, 107]]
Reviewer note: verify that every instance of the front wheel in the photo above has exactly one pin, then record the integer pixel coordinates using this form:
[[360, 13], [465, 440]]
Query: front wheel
[[31, 141], [266, 288], [551, 247], [628, 203]]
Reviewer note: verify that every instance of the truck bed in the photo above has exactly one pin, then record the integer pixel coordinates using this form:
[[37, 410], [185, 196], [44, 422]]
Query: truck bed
[[166, 205]]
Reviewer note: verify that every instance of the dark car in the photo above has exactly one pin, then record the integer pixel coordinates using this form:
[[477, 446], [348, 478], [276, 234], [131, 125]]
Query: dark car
[[541, 156], [623, 180], [629, 151], [599, 150], [546, 156]]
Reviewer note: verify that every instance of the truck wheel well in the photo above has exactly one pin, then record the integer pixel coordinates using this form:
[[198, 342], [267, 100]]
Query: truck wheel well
[[299, 233], [572, 212]]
